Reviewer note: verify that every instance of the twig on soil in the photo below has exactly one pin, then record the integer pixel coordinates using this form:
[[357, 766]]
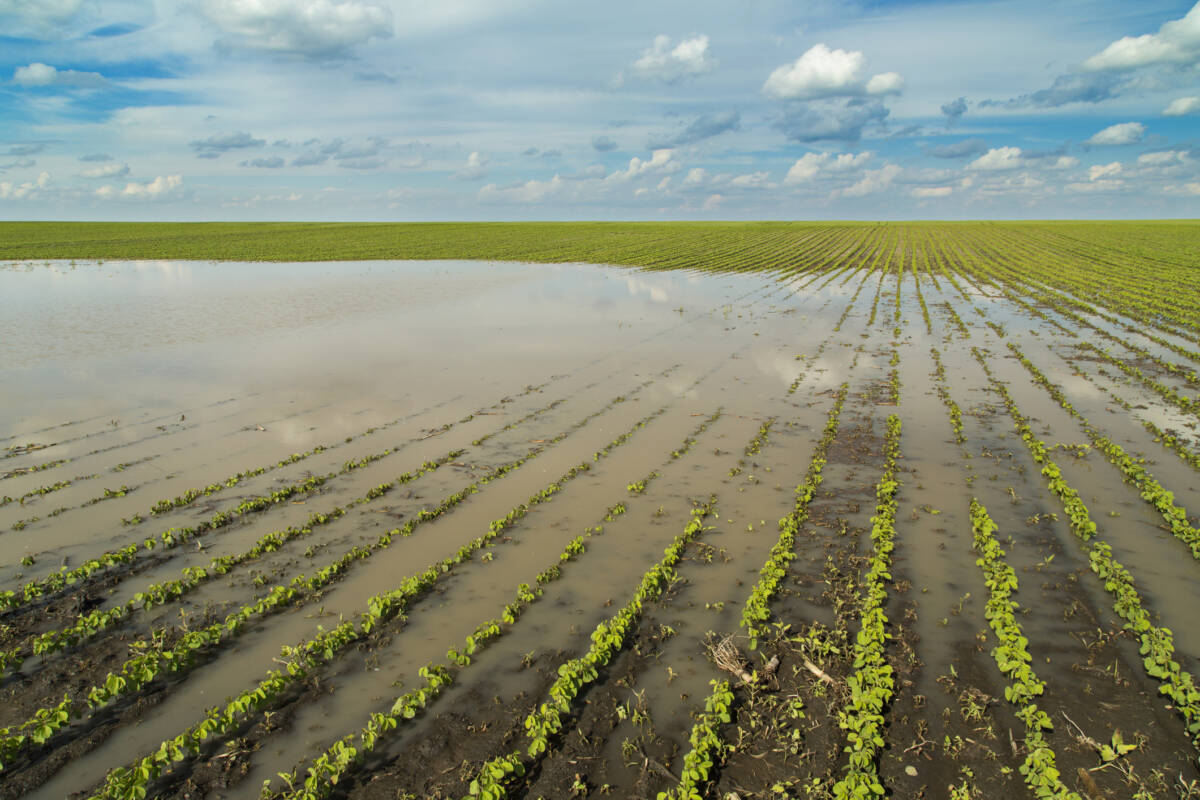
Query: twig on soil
[[820, 673]]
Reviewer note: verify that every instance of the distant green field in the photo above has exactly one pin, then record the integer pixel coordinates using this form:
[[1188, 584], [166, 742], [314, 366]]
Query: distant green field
[[741, 246]]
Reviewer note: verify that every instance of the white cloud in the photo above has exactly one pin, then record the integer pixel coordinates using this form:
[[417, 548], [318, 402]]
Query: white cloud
[[809, 165], [885, 83], [474, 169], [822, 72], [712, 202], [1162, 158], [107, 171], [1177, 43], [660, 161], [664, 184], [21, 191], [805, 168], [695, 177], [1098, 171], [1181, 106], [925, 192], [1119, 134], [999, 158], [663, 62], [39, 74], [316, 29], [873, 181], [160, 187], [1065, 162], [753, 180], [533, 191]]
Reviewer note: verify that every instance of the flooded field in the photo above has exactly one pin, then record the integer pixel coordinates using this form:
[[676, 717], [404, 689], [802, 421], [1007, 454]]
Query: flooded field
[[894, 511]]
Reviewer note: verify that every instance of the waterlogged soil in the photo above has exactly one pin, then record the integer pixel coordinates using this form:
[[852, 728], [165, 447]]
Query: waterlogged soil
[[613, 401]]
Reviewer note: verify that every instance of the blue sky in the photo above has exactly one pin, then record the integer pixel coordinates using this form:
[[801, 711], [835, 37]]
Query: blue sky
[[524, 109]]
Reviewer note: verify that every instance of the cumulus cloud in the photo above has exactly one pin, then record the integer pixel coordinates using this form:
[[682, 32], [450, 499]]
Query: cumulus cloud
[[873, 181], [475, 168], [1120, 134], [753, 180], [1181, 106], [1098, 171], [1065, 162], [661, 160], [926, 192], [603, 144], [704, 127], [809, 165], [959, 149], [274, 162], [312, 29], [1177, 43], [1162, 158], [38, 74], [696, 176], [22, 191], [838, 121], [533, 191], [220, 143], [712, 202], [672, 64], [160, 188], [822, 72], [107, 171], [999, 158], [954, 110]]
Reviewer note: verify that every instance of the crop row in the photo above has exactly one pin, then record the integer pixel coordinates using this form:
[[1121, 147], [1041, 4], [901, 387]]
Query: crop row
[[757, 608], [1133, 470], [872, 684], [331, 766], [1157, 646], [163, 592], [301, 659], [939, 373], [607, 639], [155, 658], [1014, 660], [175, 536]]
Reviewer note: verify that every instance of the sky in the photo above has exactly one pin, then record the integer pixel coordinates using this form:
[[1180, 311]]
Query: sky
[[404, 110]]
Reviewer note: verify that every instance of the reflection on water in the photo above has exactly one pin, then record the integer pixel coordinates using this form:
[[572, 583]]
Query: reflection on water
[[81, 337]]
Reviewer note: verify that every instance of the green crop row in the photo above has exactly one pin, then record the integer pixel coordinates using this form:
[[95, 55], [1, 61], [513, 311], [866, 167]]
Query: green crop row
[[154, 658], [757, 609], [872, 684], [1134, 471], [1157, 645], [1183, 402], [1015, 662], [326, 770], [175, 536], [607, 639], [939, 373], [132, 783], [88, 625], [753, 447], [707, 748]]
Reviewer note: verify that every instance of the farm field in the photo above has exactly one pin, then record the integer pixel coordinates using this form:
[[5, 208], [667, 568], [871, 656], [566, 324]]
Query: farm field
[[754, 510]]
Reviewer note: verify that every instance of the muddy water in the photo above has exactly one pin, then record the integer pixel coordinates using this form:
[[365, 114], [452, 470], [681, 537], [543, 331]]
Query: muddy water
[[208, 369]]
